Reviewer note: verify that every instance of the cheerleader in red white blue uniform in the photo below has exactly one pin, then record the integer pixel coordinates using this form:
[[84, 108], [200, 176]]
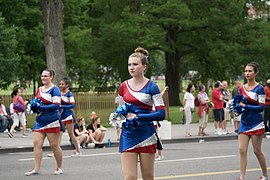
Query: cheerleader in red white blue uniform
[[48, 123], [251, 124], [67, 115], [140, 141]]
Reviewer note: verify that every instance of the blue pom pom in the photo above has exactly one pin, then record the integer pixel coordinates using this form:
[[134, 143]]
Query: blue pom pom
[[36, 104], [124, 109], [131, 124], [236, 100]]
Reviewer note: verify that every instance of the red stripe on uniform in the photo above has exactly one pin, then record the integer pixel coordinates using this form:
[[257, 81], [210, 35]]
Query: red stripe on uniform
[[49, 130]]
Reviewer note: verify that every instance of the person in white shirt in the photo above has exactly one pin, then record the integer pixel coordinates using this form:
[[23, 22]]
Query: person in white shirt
[[3, 116], [188, 103]]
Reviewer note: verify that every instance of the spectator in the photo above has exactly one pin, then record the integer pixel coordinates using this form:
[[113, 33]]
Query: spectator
[[236, 118], [203, 110], [3, 116], [18, 116], [227, 115], [96, 131], [218, 100], [188, 103], [267, 105], [80, 132], [9, 122]]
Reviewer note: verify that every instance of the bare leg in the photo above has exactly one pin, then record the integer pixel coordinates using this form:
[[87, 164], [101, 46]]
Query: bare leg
[[129, 165], [53, 139], [102, 135], [70, 129], [38, 140], [24, 129], [147, 165], [243, 148], [257, 148], [12, 128]]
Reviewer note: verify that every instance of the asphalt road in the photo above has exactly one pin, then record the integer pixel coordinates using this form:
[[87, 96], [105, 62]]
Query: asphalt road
[[194, 161]]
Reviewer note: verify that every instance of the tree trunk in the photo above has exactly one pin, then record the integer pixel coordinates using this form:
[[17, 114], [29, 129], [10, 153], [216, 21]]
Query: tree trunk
[[53, 16], [172, 77], [172, 57]]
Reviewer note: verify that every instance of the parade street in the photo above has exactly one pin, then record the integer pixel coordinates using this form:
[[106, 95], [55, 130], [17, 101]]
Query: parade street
[[218, 160]]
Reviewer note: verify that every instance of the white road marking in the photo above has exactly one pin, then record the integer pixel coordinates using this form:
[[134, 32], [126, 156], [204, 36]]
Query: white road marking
[[83, 155]]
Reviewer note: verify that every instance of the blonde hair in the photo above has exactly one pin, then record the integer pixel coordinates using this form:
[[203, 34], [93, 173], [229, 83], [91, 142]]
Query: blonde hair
[[142, 54]]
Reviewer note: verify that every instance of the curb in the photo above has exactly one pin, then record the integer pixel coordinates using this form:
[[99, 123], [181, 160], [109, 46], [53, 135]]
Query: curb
[[116, 144]]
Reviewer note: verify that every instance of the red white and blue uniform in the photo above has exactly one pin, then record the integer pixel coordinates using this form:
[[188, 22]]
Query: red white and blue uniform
[[49, 121], [252, 120], [67, 105], [142, 138]]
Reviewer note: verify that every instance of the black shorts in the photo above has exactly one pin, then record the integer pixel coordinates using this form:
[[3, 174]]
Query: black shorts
[[219, 114]]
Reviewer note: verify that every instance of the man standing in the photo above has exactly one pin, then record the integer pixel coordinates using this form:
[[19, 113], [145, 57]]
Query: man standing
[[218, 100], [267, 106], [227, 114]]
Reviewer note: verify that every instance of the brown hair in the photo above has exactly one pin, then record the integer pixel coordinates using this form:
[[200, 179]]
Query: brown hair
[[142, 54], [79, 118], [255, 66], [94, 119], [51, 72]]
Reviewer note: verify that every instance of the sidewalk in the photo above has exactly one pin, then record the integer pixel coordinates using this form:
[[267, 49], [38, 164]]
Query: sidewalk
[[19, 143]]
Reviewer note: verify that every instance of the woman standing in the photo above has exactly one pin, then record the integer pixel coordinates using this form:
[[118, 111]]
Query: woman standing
[[67, 115], [140, 141], [18, 116], [251, 123], [48, 123], [188, 103], [203, 110]]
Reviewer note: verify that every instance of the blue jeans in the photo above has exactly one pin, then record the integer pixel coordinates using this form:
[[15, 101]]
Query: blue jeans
[[3, 121]]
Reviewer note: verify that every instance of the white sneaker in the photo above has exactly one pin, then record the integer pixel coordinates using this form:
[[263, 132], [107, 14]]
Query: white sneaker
[[24, 135], [220, 132], [5, 131], [30, 173], [58, 171], [159, 158], [76, 154], [51, 154], [224, 132], [263, 178]]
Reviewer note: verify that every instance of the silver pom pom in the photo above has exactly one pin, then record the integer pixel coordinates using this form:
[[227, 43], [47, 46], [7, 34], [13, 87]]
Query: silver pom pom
[[116, 120]]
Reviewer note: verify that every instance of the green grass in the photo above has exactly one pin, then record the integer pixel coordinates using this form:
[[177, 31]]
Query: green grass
[[175, 116]]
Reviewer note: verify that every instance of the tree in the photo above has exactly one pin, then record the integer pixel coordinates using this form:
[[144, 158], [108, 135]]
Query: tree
[[54, 41], [8, 58], [26, 17]]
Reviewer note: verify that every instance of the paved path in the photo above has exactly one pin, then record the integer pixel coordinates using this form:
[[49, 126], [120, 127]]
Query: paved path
[[177, 135]]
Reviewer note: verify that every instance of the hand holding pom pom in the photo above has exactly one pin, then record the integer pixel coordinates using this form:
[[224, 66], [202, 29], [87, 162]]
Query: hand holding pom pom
[[35, 105], [119, 117], [237, 108], [116, 120]]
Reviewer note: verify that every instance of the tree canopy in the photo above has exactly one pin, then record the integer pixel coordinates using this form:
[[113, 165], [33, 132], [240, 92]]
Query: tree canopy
[[216, 38]]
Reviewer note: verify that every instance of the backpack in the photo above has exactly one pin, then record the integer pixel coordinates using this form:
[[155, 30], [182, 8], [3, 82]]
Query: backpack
[[196, 101], [18, 107]]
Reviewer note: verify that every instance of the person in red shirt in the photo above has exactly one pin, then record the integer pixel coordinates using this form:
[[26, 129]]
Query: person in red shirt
[[267, 106], [218, 100]]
